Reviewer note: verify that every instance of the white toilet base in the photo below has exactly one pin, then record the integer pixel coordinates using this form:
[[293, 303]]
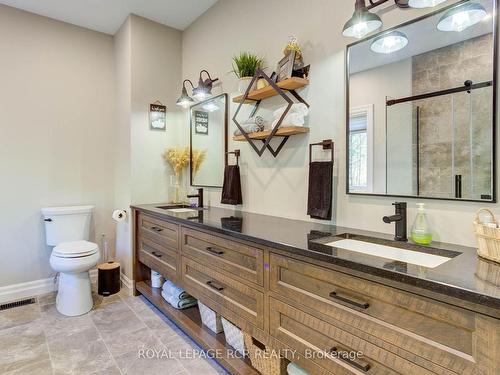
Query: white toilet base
[[74, 296]]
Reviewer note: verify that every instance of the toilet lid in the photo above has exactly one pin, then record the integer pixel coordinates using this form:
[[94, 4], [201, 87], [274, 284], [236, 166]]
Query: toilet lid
[[75, 249]]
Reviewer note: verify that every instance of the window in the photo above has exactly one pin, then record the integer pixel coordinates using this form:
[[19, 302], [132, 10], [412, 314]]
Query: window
[[361, 149]]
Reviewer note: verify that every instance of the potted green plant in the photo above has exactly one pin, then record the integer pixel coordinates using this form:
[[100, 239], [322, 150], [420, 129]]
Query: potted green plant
[[244, 66]]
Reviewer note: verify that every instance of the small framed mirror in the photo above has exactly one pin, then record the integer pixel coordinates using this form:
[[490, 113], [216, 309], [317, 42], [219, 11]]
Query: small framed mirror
[[208, 141], [421, 107]]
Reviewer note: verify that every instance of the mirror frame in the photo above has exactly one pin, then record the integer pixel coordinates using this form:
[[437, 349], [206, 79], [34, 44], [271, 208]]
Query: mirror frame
[[226, 117], [495, 19]]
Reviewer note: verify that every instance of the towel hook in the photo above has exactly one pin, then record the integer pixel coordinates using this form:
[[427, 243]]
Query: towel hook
[[327, 144], [235, 153]]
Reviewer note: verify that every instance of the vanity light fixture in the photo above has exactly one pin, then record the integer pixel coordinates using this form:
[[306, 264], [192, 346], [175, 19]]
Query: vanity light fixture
[[204, 89], [462, 17], [185, 100], [424, 3], [362, 21], [390, 42]]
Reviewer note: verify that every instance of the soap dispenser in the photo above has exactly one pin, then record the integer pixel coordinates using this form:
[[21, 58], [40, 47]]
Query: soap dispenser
[[420, 231]]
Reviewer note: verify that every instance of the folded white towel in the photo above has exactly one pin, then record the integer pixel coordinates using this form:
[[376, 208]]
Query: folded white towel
[[300, 108], [292, 119]]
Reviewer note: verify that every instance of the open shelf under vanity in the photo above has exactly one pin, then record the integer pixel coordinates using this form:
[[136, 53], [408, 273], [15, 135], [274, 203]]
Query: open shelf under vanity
[[189, 321]]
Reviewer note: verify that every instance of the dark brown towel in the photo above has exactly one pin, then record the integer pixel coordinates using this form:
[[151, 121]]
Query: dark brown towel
[[231, 190], [319, 201]]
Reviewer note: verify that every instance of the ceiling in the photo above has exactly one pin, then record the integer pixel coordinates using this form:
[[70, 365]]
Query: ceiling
[[108, 15]]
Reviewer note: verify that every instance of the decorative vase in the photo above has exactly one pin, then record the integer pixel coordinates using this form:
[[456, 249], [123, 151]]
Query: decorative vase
[[243, 84]]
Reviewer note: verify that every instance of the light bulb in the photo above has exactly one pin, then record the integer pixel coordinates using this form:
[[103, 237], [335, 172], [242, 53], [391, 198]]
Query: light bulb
[[389, 43], [360, 29]]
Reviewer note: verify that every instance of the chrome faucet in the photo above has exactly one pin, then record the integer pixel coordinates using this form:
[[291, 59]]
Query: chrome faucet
[[199, 196], [399, 218]]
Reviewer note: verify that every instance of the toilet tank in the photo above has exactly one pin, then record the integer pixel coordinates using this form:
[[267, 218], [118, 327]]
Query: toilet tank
[[64, 224]]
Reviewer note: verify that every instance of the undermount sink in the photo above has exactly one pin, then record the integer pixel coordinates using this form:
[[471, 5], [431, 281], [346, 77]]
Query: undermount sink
[[403, 252], [179, 208]]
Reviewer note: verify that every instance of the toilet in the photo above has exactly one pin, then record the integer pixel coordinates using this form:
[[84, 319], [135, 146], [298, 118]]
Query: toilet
[[67, 230]]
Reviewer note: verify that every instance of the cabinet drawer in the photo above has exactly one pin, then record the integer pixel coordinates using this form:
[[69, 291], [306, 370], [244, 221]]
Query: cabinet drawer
[[159, 231], [332, 348], [242, 261], [243, 300], [438, 336], [159, 258]]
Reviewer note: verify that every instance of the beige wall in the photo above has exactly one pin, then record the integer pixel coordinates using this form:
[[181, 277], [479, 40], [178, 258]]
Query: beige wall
[[57, 112], [279, 186]]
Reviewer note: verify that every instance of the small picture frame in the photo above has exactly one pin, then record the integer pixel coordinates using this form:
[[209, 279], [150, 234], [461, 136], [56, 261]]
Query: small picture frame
[[201, 122], [284, 68], [157, 117]]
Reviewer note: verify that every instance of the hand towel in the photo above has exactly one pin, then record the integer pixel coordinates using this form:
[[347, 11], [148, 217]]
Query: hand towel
[[319, 200], [173, 290], [231, 189]]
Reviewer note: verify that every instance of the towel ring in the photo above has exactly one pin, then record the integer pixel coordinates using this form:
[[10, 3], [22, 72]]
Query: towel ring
[[235, 153], [327, 144]]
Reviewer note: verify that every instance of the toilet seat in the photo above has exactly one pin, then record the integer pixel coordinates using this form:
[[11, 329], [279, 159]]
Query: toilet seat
[[75, 249]]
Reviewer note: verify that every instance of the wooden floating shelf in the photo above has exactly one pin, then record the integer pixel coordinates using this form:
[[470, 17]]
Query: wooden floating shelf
[[292, 83], [189, 321], [282, 132]]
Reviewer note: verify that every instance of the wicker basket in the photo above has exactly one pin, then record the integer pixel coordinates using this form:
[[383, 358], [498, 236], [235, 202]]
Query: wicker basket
[[263, 359], [234, 335], [488, 238], [210, 318]]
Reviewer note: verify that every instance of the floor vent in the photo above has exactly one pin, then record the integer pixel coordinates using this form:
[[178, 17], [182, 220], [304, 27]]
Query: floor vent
[[23, 302]]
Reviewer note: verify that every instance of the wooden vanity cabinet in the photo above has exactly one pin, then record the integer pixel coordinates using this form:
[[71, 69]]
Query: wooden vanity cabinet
[[307, 308]]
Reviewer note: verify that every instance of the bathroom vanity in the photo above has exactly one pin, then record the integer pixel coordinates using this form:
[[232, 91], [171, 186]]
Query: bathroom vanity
[[289, 285]]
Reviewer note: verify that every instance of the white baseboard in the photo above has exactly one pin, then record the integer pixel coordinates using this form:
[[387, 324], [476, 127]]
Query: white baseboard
[[126, 281], [24, 290], [35, 288]]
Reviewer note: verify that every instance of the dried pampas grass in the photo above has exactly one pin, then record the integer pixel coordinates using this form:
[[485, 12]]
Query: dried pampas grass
[[177, 157], [198, 159]]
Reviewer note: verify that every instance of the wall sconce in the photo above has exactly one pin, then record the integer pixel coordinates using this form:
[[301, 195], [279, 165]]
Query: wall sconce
[[185, 100], [364, 22], [204, 89], [462, 17], [389, 42]]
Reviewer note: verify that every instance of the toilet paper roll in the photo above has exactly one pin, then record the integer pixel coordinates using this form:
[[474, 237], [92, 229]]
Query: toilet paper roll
[[119, 215]]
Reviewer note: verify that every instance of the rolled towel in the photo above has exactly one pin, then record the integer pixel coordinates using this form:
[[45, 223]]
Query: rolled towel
[[249, 128], [257, 120], [292, 119], [173, 290], [300, 108]]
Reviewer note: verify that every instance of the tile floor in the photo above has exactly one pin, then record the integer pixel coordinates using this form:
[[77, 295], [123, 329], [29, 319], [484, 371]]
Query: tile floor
[[123, 334]]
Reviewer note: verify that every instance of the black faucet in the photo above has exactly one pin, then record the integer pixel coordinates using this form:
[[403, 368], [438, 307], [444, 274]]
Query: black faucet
[[400, 219], [199, 196]]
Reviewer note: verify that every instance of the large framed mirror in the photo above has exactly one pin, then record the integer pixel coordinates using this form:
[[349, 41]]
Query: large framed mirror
[[421, 107], [208, 141]]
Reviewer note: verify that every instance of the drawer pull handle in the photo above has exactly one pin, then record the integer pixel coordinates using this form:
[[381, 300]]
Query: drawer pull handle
[[156, 254], [359, 364], [212, 285], [214, 251], [351, 301], [157, 229]]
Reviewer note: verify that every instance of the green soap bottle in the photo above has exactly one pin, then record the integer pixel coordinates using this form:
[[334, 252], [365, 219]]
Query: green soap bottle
[[420, 231]]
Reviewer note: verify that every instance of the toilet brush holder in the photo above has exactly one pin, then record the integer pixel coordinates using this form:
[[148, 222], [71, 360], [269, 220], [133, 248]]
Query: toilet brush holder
[[108, 278]]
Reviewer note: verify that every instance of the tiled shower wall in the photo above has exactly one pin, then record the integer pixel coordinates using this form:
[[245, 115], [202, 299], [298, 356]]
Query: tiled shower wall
[[454, 130]]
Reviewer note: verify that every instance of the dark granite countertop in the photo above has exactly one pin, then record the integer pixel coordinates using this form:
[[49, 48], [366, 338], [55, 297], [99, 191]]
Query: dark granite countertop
[[465, 277]]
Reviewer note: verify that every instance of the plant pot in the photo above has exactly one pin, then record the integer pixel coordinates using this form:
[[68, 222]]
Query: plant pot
[[243, 84]]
